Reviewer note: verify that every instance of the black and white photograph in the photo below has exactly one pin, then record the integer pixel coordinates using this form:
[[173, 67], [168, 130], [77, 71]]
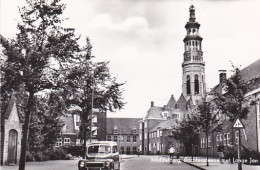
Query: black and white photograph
[[130, 84]]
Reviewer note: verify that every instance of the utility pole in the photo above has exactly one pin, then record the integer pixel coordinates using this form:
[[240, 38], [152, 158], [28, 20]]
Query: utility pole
[[239, 125], [92, 104]]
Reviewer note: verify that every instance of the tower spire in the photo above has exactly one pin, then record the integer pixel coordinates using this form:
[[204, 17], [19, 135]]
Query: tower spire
[[192, 14]]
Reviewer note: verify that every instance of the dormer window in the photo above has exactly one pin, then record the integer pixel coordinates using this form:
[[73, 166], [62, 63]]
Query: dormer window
[[165, 114], [115, 130], [134, 131]]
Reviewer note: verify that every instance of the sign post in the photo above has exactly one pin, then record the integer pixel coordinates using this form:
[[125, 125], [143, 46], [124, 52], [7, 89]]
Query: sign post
[[238, 125]]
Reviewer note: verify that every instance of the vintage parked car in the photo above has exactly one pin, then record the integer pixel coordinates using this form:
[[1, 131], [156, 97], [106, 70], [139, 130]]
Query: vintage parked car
[[100, 155]]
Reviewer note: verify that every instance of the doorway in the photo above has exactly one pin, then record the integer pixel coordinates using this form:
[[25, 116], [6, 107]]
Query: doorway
[[12, 147]]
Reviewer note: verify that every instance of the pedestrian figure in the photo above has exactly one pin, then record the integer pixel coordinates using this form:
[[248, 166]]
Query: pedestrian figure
[[171, 153], [138, 152], [221, 152]]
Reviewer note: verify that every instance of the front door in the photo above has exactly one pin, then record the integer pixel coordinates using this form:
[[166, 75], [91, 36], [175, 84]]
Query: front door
[[12, 147]]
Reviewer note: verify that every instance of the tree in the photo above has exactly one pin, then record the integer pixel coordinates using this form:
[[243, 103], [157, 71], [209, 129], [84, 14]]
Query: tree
[[233, 102], [90, 85], [187, 130], [207, 121], [40, 40], [46, 124]]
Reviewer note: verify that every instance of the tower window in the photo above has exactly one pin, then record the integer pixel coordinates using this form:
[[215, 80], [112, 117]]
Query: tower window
[[188, 84], [196, 84]]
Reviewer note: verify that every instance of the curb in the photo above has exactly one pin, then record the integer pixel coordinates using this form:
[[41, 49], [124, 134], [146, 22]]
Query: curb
[[193, 165]]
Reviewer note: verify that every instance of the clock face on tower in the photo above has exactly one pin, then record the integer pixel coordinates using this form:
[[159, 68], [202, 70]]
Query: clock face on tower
[[187, 57]]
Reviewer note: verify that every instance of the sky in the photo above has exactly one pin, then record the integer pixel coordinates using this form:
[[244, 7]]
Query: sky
[[143, 41]]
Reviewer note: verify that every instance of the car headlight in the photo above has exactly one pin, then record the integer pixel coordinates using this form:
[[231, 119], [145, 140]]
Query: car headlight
[[82, 164], [107, 164]]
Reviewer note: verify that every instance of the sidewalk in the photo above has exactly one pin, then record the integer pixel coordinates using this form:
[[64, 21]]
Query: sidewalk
[[200, 163]]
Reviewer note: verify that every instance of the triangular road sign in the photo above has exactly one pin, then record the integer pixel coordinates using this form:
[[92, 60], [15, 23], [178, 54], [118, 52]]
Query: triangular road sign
[[238, 123]]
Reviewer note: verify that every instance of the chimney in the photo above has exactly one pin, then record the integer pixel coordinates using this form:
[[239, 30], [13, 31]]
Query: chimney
[[152, 104], [222, 75]]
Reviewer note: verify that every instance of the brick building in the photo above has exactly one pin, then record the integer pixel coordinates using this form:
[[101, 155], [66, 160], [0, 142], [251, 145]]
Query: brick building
[[70, 131], [11, 133], [250, 136], [159, 117], [124, 131]]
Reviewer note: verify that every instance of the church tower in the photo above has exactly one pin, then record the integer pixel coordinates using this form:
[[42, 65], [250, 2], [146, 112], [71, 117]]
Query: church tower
[[193, 72]]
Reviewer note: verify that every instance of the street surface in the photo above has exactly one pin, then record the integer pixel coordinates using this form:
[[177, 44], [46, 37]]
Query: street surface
[[153, 163], [143, 162]]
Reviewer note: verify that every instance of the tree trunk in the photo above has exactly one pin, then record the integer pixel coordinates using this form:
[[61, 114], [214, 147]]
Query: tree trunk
[[85, 141], [207, 148], [26, 131]]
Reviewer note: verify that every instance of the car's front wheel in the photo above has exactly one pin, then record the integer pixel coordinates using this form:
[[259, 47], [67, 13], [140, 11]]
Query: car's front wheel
[[118, 168]]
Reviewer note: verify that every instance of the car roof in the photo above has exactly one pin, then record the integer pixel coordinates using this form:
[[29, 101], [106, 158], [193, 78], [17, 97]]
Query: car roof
[[103, 142]]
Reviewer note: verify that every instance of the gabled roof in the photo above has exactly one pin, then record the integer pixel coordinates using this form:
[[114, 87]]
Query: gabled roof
[[154, 113], [247, 74], [124, 125], [11, 103], [171, 102], [182, 102], [167, 124], [252, 71]]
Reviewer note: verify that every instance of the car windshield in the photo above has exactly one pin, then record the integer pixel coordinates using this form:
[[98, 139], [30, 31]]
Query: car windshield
[[98, 150]]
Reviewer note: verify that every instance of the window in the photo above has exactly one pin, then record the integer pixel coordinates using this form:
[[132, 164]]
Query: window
[[209, 142], [77, 141], [236, 137], [220, 138], [141, 125], [160, 132], [134, 150], [59, 142], [115, 138], [115, 131], [128, 138], [196, 85], [127, 150], [145, 124], [154, 135], [217, 140], [202, 142], [158, 146], [134, 138], [134, 131], [122, 150], [225, 139], [228, 138], [140, 137], [109, 138], [66, 141], [188, 84]]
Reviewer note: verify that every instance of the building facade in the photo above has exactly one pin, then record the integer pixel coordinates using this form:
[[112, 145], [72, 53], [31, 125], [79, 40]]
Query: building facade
[[124, 131], [70, 132], [11, 134], [229, 136]]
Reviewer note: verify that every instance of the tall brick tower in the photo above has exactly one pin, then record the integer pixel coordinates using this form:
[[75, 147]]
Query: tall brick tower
[[193, 72]]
